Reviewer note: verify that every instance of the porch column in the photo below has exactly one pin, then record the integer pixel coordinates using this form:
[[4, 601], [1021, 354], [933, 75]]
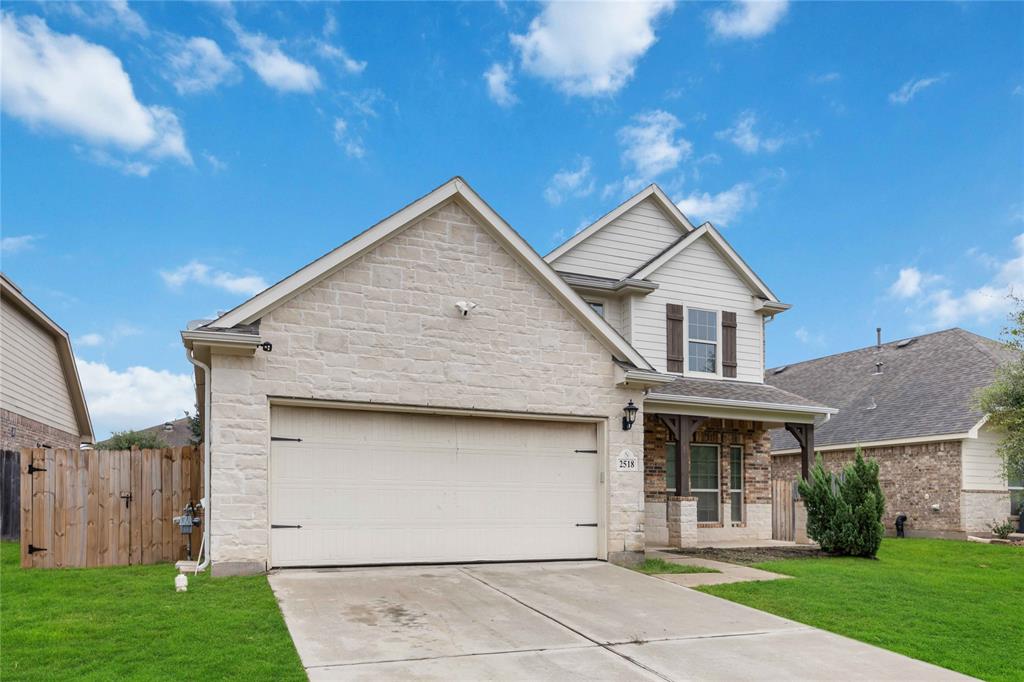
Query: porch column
[[804, 434]]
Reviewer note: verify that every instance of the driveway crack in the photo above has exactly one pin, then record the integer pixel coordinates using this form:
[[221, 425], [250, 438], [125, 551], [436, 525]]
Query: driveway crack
[[602, 645]]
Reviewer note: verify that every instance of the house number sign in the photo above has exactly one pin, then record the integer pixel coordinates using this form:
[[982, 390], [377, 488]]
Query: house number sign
[[627, 461]]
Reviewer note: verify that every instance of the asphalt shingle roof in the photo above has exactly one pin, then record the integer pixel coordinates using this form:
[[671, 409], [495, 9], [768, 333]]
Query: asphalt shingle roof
[[925, 388], [717, 389]]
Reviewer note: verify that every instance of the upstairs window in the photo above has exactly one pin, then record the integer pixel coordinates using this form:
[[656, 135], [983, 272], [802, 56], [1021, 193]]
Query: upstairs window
[[597, 307], [702, 336]]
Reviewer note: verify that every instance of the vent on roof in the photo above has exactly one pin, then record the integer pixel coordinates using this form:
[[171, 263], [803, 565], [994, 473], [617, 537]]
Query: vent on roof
[[780, 370], [872, 405], [905, 342]]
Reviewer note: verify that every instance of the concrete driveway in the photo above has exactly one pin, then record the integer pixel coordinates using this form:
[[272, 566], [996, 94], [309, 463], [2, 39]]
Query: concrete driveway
[[559, 621]]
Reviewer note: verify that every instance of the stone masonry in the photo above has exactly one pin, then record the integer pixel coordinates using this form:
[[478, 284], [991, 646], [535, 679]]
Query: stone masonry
[[914, 478], [18, 431], [384, 328]]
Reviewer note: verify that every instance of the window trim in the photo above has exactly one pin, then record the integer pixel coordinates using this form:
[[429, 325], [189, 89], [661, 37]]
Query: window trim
[[718, 479], [717, 343], [741, 489]]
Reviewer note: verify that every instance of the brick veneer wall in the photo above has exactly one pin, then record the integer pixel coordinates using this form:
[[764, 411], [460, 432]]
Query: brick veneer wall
[[913, 478], [18, 431], [756, 442]]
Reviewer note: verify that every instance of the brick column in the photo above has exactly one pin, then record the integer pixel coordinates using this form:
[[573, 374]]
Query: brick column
[[682, 521]]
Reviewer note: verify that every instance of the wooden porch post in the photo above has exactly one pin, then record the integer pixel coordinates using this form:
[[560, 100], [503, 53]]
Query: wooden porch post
[[804, 434]]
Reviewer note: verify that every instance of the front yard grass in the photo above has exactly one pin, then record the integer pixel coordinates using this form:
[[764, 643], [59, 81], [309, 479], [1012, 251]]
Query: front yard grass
[[660, 566], [129, 623], [958, 605]]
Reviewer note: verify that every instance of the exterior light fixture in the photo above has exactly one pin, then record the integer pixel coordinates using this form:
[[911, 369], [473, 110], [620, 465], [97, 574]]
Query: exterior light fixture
[[628, 420]]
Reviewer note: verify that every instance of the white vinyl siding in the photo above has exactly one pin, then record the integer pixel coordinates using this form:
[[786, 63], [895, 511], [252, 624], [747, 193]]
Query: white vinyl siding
[[31, 375], [982, 465], [699, 277], [623, 245]]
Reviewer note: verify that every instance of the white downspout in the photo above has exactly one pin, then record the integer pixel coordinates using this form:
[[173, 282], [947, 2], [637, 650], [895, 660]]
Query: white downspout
[[208, 463]]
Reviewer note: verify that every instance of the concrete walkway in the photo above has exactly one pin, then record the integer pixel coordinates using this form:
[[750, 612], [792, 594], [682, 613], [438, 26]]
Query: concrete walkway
[[562, 621], [727, 573]]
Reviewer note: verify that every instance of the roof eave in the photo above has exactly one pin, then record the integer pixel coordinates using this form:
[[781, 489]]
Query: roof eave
[[740, 409]]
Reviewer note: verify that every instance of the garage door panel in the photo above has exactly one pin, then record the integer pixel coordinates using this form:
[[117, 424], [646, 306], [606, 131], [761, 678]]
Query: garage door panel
[[370, 487]]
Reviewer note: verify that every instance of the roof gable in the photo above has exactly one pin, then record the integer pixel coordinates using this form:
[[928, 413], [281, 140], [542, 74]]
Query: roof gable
[[13, 296], [712, 236], [455, 189], [652, 193], [925, 388]]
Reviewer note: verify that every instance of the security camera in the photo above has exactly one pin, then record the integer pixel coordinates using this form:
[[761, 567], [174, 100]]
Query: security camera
[[464, 307]]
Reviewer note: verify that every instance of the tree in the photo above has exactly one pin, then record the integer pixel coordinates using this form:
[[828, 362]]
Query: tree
[[844, 513], [126, 440], [195, 425], [1003, 400]]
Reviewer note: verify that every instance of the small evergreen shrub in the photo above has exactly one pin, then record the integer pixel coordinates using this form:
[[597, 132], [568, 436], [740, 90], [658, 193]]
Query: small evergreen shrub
[[1002, 529], [844, 512]]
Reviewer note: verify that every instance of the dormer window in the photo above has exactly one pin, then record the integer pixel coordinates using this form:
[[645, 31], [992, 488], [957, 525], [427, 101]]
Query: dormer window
[[702, 346], [597, 307]]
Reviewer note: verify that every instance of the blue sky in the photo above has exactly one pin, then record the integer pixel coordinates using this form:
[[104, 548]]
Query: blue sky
[[162, 161]]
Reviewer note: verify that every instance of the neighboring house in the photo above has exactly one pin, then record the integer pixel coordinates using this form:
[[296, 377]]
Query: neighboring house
[[41, 400], [433, 390], [908, 404], [174, 433]]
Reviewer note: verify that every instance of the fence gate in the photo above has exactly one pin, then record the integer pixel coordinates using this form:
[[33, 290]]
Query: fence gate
[[783, 510], [84, 508]]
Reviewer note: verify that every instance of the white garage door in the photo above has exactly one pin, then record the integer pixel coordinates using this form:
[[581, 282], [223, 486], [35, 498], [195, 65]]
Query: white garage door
[[365, 487]]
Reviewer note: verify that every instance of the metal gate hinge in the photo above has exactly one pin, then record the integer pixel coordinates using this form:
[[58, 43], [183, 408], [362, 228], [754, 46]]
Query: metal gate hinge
[[32, 549], [32, 468]]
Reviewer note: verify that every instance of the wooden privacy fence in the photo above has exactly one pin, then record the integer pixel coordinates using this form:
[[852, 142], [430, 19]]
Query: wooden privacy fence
[[107, 507], [784, 510]]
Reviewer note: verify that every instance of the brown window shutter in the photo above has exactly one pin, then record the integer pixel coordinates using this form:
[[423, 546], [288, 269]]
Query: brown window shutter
[[674, 337], [728, 344]]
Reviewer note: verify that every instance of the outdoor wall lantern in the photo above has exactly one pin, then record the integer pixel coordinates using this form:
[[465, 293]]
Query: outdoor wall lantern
[[628, 420]]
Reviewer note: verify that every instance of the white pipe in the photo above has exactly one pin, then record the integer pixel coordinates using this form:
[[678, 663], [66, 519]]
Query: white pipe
[[208, 463]]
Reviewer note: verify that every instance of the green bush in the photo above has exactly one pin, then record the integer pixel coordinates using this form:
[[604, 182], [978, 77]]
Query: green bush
[[844, 513], [126, 440]]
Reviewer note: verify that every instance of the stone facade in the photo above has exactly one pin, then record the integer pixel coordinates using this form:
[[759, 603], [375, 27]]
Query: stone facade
[[920, 480], [757, 496], [18, 431], [384, 329]]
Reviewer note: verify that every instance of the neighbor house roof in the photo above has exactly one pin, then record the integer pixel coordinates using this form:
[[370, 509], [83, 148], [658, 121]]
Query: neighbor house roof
[[175, 433], [455, 189], [925, 388], [12, 295]]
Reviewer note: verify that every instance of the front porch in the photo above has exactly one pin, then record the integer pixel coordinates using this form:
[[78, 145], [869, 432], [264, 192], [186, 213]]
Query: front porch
[[707, 461]]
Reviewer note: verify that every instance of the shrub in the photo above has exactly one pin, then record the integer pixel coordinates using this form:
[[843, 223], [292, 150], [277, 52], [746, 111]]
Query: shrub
[[844, 513], [126, 440], [1002, 529]]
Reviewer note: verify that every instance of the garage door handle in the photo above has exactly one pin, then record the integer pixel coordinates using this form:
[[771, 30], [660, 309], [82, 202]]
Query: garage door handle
[[281, 525], [586, 525]]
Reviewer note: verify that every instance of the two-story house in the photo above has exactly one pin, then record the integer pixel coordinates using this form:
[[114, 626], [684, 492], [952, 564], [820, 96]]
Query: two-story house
[[687, 302], [433, 390]]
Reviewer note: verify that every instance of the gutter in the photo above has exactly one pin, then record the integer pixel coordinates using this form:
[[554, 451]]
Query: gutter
[[726, 402], [207, 456]]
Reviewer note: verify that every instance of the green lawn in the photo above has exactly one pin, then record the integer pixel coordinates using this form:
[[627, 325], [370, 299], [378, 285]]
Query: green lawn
[[129, 623], [959, 605], [658, 566]]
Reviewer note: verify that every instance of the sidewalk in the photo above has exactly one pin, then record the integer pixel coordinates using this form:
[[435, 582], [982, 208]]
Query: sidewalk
[[728, 573]]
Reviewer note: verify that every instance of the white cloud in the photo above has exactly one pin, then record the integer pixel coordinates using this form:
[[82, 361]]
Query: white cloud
[[589, 49], [722, 208], [64, 82], [822, 78], [200, 273], [748, 18], [908, 284], [111, 14], [340, 55], [350, 142], [806, 337], [912, 87], [197, 65], [744, 135], [272, 65], [134, 398], [499, 85], [569, 182], [215, 163], [651, 147], [12, 245], [986, 302], [90, 340]]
